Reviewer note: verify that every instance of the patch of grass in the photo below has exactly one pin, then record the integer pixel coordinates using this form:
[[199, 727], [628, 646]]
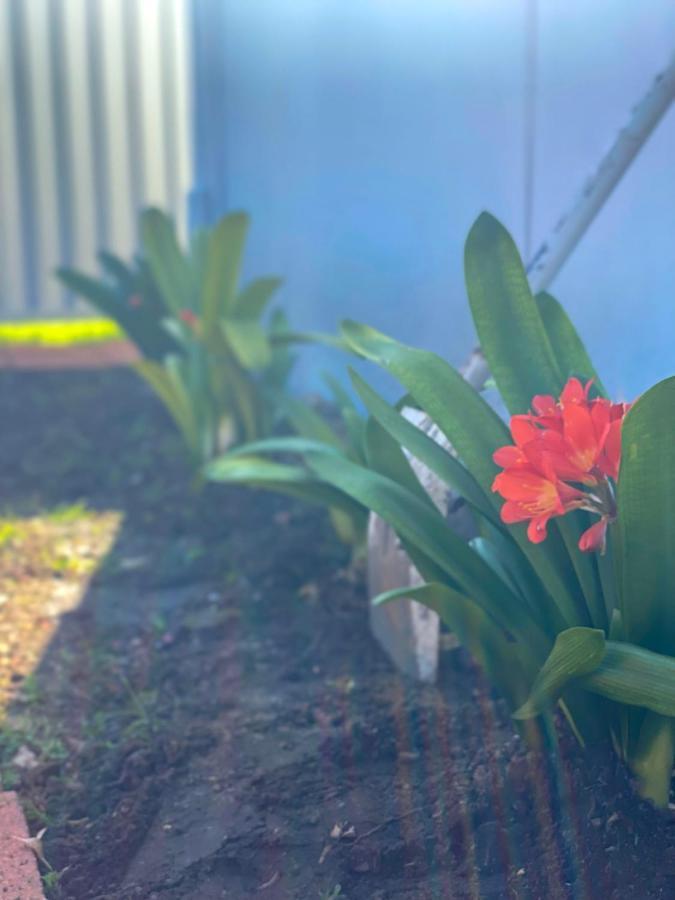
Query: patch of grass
[[59, 332], [37, 733], [31, 692], [67, 512], [51, 880], [34, 814], [9, 532]]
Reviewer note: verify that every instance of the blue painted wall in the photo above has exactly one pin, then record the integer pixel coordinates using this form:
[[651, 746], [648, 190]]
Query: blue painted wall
[[364, 136]]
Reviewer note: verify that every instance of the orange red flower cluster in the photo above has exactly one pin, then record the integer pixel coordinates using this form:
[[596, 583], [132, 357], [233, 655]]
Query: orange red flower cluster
[[566, 456]]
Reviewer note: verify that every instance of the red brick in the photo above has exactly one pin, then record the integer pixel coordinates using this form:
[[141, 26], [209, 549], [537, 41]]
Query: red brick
[[19, 875], [77, 356]]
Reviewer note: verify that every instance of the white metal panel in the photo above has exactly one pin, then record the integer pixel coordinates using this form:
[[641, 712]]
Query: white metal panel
[[153, 112], [78, 128], [42, 158], [110, 37], [94, 124], [11, 270]]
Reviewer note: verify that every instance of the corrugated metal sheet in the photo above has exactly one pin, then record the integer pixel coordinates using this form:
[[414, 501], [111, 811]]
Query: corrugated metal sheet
[[94, 124]]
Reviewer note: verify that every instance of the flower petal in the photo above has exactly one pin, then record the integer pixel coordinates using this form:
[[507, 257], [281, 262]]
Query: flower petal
[[523, 484], [536, 530], [600, 416], [573, 393], [512, 512], [579, 434], [523, 429], [611, 457], [552, 457], [545, 405], [508, 457], [594, 537]]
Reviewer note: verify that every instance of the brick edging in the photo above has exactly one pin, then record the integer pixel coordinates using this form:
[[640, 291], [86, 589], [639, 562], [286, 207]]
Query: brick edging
[[19, 874], [76, 356]]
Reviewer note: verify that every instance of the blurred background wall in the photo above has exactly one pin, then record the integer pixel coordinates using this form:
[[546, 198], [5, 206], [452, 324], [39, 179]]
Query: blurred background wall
[[364, 136], [94, 122]]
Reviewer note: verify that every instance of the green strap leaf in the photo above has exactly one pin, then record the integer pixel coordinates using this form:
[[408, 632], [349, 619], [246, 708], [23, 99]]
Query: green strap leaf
[[500, 564], [652, 760], [143, 326], [516, 345], [223, 267], [384, 455], [247, 341], [290, 444], [119, 271], [99, 294], [251, 302], [568, 348], [342, 398], [509, 665], [471, 426], [474, 431], [576, 652], [170, 269], [504, 548], [308, 422], [507, 318], [310, 337], [353, 420], [646, 523], [419, 524], [294, 481], [174, 398], [636, 677], [424, 448], [591, 609]]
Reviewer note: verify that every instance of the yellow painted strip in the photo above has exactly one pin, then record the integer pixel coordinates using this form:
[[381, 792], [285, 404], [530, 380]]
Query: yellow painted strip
[[59, 332]]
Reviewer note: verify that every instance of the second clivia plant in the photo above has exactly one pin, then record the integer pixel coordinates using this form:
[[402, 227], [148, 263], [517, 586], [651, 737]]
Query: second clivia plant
[[204, 344]]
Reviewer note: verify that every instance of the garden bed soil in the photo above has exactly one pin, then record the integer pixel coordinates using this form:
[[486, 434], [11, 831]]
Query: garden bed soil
[[195, 707]]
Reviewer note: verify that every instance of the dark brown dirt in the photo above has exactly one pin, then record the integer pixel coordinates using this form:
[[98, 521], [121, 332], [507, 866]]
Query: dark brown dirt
[[213, 720]]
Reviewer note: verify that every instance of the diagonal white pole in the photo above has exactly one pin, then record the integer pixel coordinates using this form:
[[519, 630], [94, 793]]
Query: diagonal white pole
[[556, 249], [553, 253]]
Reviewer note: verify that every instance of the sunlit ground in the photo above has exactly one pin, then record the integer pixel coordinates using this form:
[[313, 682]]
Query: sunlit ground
[[46, 563]]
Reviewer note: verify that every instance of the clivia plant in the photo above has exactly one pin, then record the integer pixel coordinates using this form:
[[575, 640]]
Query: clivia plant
[[566, 595], [265, 464], [205, 349]]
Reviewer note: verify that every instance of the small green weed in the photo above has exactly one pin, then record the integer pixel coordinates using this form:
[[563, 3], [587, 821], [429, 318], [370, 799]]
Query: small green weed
[[9, 532], [68, 512]]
